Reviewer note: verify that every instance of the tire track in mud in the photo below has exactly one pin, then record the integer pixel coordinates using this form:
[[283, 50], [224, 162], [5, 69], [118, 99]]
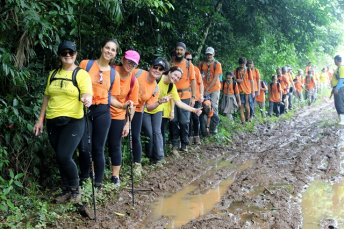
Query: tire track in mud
[[267, 195]]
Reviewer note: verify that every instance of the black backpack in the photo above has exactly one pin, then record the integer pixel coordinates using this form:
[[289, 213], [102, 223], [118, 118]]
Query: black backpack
[[75, 83], [170, 86]]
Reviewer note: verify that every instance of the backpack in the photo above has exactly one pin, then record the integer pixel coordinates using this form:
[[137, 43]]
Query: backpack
[[112, 77], [220, 75], [278, 86], [262, 82], [75, 83], [132, 81]]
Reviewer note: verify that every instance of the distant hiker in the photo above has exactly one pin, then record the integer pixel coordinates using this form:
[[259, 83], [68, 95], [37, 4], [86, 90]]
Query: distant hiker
[[298, 82], [324, 76], [151, 119], [275, 96], [316, 77], [286, 94], [310, 87], [211, 71], [289, 75], [284, 83], [180, 124], [338, 89], [243, 77], [194, 119], [308, 67], [128, 97], [256, 89], [260, 99], [208, 119], [105, 86], [231, 97], [64, 98]]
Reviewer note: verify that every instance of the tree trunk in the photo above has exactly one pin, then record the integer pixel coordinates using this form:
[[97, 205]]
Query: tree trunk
[[207, 27]]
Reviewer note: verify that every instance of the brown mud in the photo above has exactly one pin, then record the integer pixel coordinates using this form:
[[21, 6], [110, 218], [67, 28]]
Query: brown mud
[[288, 156]]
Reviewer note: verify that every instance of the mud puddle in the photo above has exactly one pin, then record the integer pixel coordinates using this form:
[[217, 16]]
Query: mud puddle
[[323, 202], [191, 202]]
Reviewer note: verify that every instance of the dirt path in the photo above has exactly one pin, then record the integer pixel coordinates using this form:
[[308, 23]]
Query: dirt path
[[288, 156]]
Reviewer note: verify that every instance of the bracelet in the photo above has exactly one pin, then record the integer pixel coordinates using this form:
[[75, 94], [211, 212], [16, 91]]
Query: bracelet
[[194, 97], [192, 110], [159, 102], [40, 118], [207, 127], [127, 124], [122, 105]]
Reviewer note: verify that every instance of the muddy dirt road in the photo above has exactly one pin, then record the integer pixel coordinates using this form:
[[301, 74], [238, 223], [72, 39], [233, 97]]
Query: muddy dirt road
[[257, 181]]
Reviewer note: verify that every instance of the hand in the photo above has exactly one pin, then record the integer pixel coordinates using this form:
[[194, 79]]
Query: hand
[[335, 91], [253, 95], [171, 115], [38, 128], [198, 111], [86, 100], [165, 99], [192, 102], [201, 99], [239, 103], [207, 130], [258, 93], [125, 131], [239, 80], [129, 104]]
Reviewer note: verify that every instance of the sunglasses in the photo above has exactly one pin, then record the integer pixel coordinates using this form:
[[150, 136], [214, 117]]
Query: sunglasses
[[190, 59], [159, 68], [132, 63], [100, 80], [65, 53]]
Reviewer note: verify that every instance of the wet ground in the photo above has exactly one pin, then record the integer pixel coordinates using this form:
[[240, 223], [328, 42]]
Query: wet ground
[[282, 175]]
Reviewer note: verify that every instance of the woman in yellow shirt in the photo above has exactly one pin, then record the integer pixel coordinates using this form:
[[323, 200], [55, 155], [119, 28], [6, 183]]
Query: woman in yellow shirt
[[63, 108]]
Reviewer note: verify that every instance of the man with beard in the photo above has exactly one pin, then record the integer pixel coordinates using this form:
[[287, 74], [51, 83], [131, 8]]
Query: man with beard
[[180, 123]]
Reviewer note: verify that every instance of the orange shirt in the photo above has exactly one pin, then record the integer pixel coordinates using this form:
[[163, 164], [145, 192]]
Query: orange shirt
[[289, 78], [261, 96], [309, 82], [228, 88], [185, 82], [298, 83], [246, 75], [284, 83], [199, 80], [308, 68], [275, 95], [101, 90], [256, 77], [146, 91], [218, 70], [117, 113], [211, 113]]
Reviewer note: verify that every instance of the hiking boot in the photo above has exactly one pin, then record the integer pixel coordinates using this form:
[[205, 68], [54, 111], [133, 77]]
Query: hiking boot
[[138, 170], [75, 195], [160, 163], [82, 181], [98, 187], [184, 148], [191, 139], [115, 180], [64, 196], [197, 140], [175, 152]]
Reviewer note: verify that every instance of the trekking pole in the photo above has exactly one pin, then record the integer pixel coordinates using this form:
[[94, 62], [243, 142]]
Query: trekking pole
[[90, 154], [130, 145]]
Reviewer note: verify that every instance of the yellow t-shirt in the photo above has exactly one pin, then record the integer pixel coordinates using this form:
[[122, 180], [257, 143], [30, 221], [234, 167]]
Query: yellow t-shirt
[[323, 77], [64, 96], [340, 73], [165, 107]]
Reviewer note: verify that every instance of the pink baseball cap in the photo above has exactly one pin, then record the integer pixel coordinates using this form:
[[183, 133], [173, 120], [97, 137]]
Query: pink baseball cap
[[132, 55]]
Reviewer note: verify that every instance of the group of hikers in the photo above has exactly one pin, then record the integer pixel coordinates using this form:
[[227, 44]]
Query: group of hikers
[[96, 102]]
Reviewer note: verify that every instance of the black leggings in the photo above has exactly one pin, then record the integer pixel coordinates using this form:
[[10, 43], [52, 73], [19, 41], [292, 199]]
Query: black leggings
[[194, 122], [99, 119], [64, 139], [136, 125], [114, 141]]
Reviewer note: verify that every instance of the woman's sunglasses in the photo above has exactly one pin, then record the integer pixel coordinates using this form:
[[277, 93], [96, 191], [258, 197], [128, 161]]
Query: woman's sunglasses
[[65, 53], [132, 63], [159, 67], [100, 80]]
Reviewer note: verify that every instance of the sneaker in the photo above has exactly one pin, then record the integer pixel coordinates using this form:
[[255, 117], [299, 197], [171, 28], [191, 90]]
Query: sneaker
[[115, 180], [197, 140], [75, 196], [184, 148], [82, 181], [160, 163], [191, 139], [175, 152], [138, 170], [64, 197]]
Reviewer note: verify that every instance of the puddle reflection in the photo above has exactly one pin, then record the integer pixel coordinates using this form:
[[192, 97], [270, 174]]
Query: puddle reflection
[[181, 207], [322, 201]]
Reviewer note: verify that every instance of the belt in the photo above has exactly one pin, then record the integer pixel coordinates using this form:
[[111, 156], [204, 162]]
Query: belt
[[182, 90]]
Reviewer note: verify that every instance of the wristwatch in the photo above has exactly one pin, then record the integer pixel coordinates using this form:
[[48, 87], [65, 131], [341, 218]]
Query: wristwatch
[[194, 97]]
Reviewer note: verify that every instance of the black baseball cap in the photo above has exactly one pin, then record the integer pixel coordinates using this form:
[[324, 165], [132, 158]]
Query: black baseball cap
[[159, 61], [66, 45]]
